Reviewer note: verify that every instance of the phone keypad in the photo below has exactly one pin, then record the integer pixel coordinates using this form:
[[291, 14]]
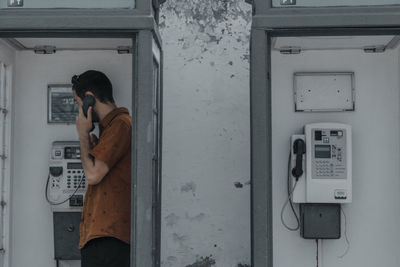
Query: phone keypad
[[324, 168], [74, 178]]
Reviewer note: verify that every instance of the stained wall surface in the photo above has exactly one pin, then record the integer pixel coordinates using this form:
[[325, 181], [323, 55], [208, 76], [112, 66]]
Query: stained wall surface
[[206, 133]]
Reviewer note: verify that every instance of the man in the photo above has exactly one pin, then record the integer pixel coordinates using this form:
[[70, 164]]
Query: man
[[105, 224]]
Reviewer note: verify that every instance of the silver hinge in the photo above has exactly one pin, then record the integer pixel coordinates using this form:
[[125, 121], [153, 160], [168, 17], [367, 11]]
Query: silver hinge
[[288, 2], [46, 49], [15, 3], [290, 50], [4, 111], [3, 157], [375, 49], [124, 50]]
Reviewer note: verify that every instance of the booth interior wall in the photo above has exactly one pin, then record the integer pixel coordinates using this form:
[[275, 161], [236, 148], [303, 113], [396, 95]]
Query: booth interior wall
[[32, 233], [372, 217]]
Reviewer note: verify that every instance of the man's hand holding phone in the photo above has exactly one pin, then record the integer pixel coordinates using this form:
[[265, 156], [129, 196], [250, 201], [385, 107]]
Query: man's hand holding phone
[[84, 124]]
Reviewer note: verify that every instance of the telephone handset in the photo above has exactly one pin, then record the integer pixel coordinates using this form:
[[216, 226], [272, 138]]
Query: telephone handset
[[299, 148], [88, 101]]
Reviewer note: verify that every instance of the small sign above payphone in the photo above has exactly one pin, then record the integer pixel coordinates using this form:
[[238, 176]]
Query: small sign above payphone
[[62, 108]]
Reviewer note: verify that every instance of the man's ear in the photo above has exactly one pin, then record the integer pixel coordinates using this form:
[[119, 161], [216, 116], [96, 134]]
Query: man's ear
[[89, 93]]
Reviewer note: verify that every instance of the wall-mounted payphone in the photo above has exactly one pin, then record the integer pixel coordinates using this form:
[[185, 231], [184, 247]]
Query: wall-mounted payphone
[[324, 156], [66, 184], [65, 191], [320, 178]]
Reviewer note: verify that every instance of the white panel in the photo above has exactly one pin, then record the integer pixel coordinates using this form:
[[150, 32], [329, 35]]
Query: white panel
[[2, 150], [331, 42], [7, 57], [325, 3], [323, 91], [7, 190]]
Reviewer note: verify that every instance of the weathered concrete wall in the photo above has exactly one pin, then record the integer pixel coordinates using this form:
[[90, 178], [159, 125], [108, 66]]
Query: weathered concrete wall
[[206, 145]]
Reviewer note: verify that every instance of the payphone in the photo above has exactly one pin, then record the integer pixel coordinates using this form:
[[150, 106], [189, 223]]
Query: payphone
[[65, 191], [66, 185], [323, 153], [320, 178]]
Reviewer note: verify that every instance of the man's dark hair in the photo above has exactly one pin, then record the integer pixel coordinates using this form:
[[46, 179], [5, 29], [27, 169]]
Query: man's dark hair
[[93, 81]]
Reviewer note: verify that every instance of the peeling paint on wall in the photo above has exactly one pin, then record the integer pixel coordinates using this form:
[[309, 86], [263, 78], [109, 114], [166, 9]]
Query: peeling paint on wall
[[189, 187], [198, 218], [203, 262], [171, 219], [206, 24], [206, 135]]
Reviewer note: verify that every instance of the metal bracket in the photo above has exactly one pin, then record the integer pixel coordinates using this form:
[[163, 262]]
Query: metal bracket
[[374, 49], [3, 203], [288, 2], [4, 111], [290, 50], [124, 49], [3, 157], [46, 49], [15, 3]]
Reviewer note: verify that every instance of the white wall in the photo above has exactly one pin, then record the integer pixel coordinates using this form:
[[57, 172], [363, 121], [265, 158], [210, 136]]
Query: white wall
[[206, 133], [373, 217], [32, 232]]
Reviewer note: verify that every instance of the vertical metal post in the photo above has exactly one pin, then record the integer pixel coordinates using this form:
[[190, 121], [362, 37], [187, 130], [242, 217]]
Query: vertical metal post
[[261, 169], [262, 6], [156, 154], [142, 156], [144, 6]]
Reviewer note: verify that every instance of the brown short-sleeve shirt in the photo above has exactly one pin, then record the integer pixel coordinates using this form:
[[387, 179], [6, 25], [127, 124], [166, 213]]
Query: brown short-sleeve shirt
[[107, 206]]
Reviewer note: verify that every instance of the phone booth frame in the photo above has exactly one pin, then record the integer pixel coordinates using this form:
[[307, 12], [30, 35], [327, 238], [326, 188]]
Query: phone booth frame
[[269, 22], [140, 24]]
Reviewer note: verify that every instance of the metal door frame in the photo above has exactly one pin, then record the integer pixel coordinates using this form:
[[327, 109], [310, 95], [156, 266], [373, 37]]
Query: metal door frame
[[290, 22], [134, 18], [142, 248]]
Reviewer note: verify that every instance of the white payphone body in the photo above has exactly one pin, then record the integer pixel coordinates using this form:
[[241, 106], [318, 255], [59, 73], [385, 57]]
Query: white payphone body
[[65, 191], [66, 186], [326, 164]]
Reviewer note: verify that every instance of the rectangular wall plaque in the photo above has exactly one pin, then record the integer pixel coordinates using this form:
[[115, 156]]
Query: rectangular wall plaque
[[62, 107], [324, 91]]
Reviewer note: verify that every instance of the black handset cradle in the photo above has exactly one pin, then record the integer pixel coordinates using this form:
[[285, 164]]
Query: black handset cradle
[[299, 148], [88, 101]]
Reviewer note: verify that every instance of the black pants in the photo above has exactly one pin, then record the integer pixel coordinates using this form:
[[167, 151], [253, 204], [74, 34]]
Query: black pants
[[105, 252]]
